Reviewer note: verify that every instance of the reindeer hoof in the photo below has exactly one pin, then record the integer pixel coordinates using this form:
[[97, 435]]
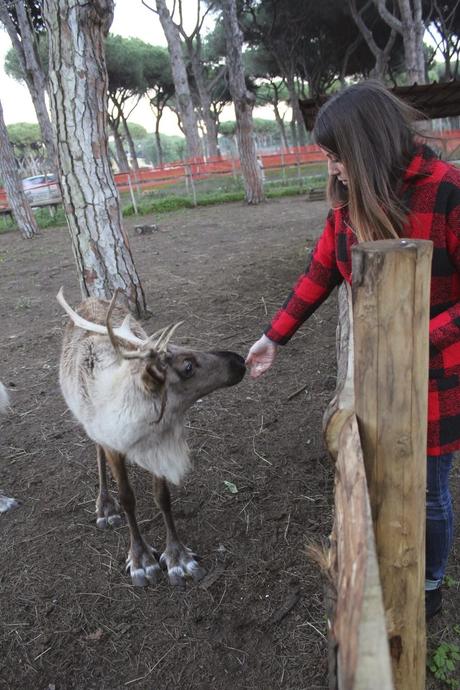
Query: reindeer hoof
[[141, 577], [176, 577], [110, 521], [108, 514], [182, 566], [7, 503], [145, 570], [115, 520], [195, 571]]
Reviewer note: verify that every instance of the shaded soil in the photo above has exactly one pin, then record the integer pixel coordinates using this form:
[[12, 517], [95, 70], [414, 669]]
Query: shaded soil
[[69, 615]]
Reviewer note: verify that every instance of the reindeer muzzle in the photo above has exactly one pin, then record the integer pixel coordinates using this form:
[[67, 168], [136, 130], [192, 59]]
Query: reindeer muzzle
[[236, 365]]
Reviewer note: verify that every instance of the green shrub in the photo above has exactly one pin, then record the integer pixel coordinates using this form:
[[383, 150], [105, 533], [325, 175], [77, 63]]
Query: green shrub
[[443, 664]]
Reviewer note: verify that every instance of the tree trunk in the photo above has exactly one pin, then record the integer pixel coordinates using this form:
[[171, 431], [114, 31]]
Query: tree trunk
[[26, 49], [16, 198], [121, 157], [78, 95], [243, 102], [281, 126], [159, 147], [413, 31], [157, 105], [181, 85], [132, 148], [293, 126], [447, 68], [159, 115], [205, 100], [120, 154], [297, 116], [411, 28]]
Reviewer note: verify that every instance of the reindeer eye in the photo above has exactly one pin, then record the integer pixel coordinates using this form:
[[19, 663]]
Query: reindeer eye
[[188, 367]]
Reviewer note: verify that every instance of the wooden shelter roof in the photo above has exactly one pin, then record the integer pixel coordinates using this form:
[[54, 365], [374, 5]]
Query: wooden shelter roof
[[433, 100]]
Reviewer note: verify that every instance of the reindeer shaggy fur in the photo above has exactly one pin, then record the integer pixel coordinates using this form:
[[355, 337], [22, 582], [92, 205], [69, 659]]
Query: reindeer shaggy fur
[[131, 392]]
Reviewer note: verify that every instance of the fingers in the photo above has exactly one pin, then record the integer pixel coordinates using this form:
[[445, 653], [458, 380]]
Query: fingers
[[258, 364], [257, 370], [249, 361]]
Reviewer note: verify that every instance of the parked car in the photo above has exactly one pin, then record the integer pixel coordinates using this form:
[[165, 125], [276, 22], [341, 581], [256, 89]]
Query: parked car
[[41, 190]]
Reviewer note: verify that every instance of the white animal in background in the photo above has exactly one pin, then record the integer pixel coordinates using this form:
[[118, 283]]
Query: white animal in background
[[5, 502], [4, 398], [131, 392]]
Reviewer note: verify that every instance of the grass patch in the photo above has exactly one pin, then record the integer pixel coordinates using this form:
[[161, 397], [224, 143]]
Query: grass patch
[[219, 198], [44, 219], [144, 207], [277, 192]]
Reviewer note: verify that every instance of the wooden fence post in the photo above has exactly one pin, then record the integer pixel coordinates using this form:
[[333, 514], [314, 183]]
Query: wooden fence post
[[391, 287], [358, 644]]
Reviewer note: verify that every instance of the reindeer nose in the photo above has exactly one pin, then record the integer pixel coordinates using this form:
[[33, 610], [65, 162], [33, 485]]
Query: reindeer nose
[[236, 365]]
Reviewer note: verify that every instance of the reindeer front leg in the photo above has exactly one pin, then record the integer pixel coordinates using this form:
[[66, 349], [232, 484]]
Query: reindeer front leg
[[107, 510], [178, 559], [142, 559]]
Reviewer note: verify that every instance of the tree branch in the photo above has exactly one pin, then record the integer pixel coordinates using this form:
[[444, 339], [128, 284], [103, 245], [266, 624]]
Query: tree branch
[[8, 23], [388, 16], [362, 26], [152, 9]]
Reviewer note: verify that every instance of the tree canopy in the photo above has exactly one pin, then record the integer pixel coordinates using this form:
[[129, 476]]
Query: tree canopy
[[292, 50]]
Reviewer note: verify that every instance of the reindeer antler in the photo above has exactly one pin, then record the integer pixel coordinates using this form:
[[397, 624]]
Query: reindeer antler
[[158, 341], [118, 333], [123, 332], [163, 336]]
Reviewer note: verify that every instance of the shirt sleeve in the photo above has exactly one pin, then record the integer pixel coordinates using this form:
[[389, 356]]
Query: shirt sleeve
[[445, 327], [312, 287]]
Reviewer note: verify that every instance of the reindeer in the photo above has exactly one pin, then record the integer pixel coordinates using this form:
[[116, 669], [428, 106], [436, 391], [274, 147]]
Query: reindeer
[[6, 503], [131, 392], [4, 399]]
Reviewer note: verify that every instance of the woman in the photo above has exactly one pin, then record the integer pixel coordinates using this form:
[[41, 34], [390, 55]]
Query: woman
[[382, 184]]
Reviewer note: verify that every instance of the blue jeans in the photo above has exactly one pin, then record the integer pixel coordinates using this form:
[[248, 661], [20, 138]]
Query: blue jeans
[[439, 519]]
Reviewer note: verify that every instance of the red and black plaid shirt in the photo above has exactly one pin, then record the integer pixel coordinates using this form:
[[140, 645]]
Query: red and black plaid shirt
[[431, 192]]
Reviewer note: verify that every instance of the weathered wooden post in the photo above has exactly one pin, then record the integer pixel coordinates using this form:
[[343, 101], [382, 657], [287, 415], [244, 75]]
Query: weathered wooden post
[[391, 286], [358, 644]]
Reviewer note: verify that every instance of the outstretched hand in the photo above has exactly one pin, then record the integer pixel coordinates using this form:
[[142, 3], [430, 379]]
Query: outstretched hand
[[261, 356]]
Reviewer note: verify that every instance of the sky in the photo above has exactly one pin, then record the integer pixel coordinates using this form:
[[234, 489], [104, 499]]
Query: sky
[[131, 18]]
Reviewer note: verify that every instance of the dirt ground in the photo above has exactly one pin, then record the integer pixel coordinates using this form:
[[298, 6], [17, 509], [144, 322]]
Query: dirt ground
[[69, 615]]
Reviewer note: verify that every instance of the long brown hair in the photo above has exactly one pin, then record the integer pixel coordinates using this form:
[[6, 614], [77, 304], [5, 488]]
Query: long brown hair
[[371, 132]]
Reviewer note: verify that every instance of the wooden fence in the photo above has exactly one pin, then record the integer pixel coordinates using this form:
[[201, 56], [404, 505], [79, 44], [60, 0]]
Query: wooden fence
[[375, 428], [194, 170]]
